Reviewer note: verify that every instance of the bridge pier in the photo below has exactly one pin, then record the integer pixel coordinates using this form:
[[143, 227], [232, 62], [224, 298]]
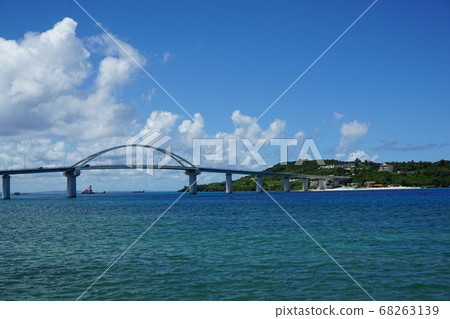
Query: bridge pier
[[305, 184], [6, 194], [336, 183], [228, 183], [192, 181], [259, 183], [287, 184], [72, 183], [321, 184]]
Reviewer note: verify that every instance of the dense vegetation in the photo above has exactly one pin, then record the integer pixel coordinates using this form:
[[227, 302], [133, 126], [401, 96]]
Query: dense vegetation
[[420, 174]]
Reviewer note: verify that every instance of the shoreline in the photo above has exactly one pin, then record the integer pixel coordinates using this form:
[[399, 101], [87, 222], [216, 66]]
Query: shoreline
[[344, 188]]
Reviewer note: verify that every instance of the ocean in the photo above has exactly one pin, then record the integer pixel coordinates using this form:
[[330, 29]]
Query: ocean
[[216, 246]]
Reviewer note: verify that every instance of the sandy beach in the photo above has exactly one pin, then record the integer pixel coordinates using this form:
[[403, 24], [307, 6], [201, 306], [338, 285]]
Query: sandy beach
[[344, 188]]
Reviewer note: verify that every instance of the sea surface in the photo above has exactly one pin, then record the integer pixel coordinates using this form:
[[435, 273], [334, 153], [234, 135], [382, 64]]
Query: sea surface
[[240, 246]]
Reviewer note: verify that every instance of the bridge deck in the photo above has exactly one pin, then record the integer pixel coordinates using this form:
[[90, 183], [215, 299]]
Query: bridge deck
[[183, 168], [19, 171]]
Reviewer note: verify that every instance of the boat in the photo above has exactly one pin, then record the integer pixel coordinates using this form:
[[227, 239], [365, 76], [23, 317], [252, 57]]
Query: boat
[[138, 191], [89, 191]]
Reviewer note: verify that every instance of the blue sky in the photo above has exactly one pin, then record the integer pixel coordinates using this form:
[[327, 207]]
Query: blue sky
[[384, 84]]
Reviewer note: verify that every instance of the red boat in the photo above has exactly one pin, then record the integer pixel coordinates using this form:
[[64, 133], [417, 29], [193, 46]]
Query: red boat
[[89, 191]]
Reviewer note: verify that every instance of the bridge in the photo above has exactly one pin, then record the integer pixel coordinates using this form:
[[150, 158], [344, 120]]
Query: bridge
[[71, 172]]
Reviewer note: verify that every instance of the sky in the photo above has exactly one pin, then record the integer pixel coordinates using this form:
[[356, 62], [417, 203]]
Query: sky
[[67, 90]]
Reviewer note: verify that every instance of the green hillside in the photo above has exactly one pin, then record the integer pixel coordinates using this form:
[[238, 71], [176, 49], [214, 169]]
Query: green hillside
[[419, 174]]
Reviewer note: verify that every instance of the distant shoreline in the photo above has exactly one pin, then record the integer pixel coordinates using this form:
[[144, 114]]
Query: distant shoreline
[[344, 188]]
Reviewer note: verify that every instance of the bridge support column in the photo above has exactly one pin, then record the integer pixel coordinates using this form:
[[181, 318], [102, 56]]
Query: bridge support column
[[228, 183], [6, 194], [287, 184], [72, 183], [321, 184], [305, 184], [259, 184], [192, 181]]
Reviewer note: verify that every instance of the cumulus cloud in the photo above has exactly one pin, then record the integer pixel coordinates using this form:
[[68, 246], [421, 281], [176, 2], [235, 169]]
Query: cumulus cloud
[[351, 132], [361, 155], [162, 121], [41, 77], [184, 133], [244, 129], [113, 72], [241, 120], [189, 129], [275, 130], [35, 152], [43, 64]]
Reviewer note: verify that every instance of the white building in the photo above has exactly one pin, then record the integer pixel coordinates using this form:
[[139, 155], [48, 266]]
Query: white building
[[384, 167]]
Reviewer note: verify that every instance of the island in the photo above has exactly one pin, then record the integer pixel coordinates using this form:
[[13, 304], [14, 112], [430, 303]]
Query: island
[[363, 174]]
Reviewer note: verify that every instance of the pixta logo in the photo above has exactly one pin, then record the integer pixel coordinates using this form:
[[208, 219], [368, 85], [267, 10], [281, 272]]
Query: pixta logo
[[142, 148], [227, 150]]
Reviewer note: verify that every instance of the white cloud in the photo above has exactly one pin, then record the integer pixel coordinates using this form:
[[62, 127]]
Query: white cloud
[[162, 121], [148, 97], [41, 77], [113, 72], [84, 118], [189, 129], [275, 130], [240, 119], [244, 129], [361, 155], [43, 64], [351, 132], [166, 56], [300, 135], [337, 115], [35, 153]]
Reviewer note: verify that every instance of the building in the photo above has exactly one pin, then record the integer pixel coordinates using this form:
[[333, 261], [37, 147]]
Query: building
[[347, 165], [384, 167], [344, 166], [370, 183]]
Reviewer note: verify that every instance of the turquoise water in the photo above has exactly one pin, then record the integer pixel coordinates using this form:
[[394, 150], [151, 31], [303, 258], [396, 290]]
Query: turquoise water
[[216, 246]]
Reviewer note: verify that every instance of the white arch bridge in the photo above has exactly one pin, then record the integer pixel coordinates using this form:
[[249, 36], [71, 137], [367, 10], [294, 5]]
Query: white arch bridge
[[71, 172]]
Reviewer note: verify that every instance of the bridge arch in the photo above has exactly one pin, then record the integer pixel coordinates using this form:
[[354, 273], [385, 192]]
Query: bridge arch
[[180, 160]]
